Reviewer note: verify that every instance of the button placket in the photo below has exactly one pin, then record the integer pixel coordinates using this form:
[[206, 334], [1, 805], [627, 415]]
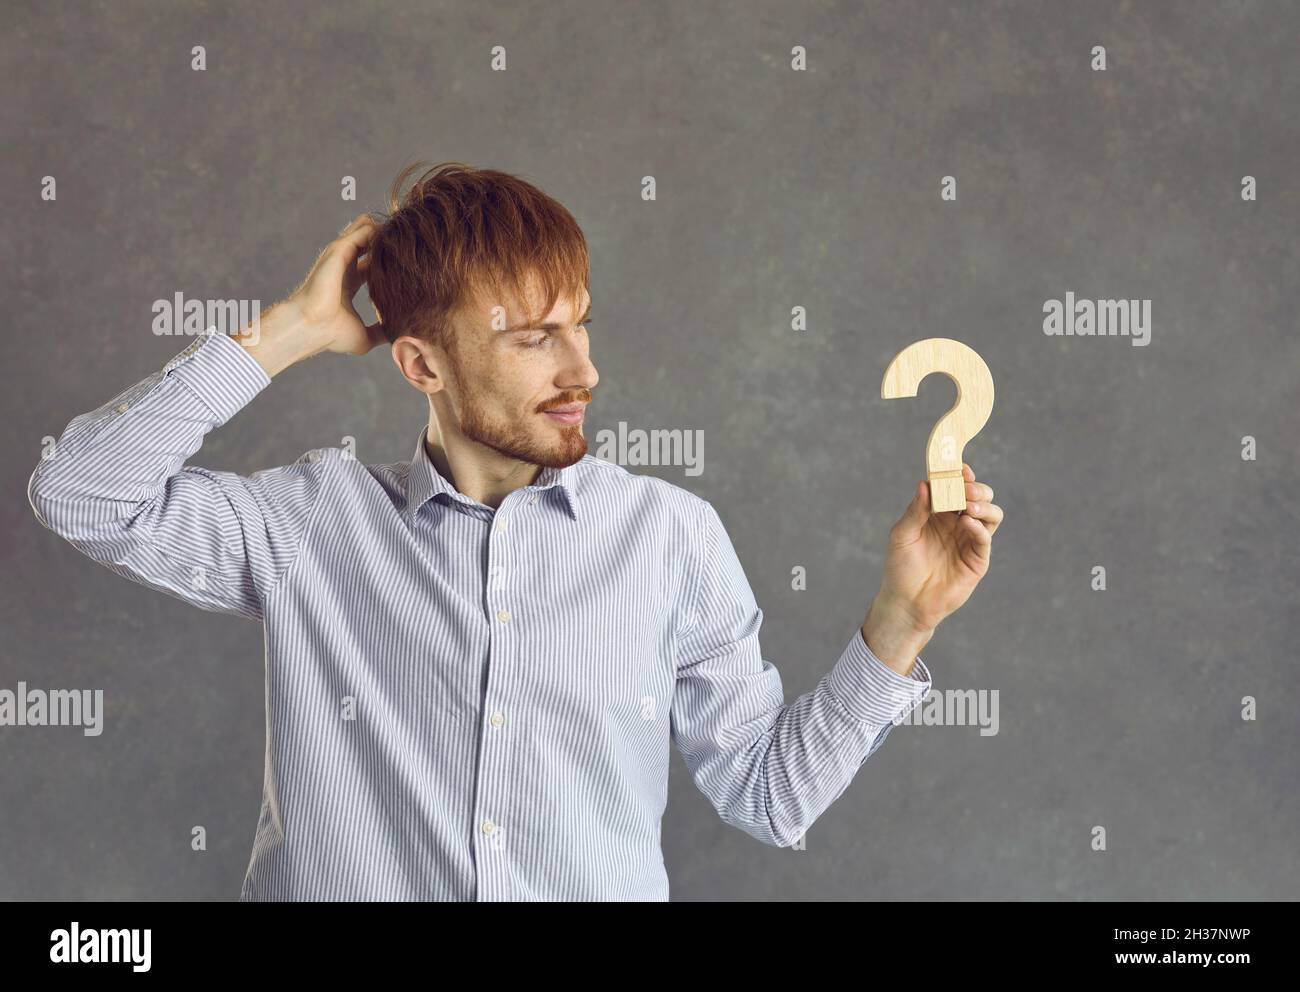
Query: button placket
[[492, 834]]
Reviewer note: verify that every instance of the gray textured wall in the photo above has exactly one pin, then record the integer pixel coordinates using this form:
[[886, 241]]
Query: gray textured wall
[[1120, 708]]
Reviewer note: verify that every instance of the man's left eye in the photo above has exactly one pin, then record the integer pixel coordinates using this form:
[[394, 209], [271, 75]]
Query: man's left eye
[[538, 343]]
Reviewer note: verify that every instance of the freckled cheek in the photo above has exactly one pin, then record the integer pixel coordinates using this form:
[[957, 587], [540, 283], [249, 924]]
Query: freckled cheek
[[520, 385]]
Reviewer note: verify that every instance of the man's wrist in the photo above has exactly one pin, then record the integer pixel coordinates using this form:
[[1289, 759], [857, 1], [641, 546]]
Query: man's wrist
[[279, 338], [893, 636]]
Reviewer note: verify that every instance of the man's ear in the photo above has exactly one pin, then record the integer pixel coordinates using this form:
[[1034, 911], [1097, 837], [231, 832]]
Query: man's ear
[[409, 355]]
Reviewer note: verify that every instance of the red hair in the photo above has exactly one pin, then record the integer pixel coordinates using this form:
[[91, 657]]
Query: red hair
[[460, 235]]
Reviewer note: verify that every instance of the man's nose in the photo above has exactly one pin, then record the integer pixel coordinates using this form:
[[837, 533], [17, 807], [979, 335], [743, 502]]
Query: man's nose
[[581, 372]]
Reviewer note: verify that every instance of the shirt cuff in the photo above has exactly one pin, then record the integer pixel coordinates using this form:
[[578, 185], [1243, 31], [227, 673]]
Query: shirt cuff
[[870, 690], [220, 372]]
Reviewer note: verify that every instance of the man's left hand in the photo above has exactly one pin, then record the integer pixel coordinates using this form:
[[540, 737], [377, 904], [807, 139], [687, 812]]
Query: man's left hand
[[934, 562]]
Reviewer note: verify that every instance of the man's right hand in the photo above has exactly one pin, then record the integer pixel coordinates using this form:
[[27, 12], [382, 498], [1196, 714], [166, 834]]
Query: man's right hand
[[319, 315]]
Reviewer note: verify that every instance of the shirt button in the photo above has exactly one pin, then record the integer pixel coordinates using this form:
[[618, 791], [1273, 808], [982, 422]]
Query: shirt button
[[489, 827], [533, 499], [503, 614], [122, 408], [501, 525], [498, 718]]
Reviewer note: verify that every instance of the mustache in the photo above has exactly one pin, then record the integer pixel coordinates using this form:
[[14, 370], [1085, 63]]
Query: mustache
[[581, 396]]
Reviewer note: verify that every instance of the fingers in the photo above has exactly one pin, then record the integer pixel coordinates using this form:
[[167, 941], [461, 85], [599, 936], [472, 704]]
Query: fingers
[[921, 501], [986, 515], [979, 503], [914, 517], [356, 222], [981, 538], [352, 247], [357, 235], [918, 509]]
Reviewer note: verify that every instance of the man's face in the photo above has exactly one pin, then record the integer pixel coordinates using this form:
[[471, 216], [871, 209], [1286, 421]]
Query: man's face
[[507, 375]]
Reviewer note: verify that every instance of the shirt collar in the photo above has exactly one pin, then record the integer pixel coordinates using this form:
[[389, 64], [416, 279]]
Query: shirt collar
[[424, 482]]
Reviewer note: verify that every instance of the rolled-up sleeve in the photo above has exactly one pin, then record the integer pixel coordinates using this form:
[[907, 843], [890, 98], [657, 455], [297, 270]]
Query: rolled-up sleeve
[[769, 768]]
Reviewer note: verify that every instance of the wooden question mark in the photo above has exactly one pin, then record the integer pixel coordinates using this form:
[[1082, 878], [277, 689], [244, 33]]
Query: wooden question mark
[[943, 452]]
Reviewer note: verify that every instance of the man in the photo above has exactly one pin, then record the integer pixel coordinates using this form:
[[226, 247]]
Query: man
[[476, 661]]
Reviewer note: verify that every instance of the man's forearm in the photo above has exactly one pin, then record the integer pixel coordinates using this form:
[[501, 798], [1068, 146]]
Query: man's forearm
[[280, 338], [893, 637]]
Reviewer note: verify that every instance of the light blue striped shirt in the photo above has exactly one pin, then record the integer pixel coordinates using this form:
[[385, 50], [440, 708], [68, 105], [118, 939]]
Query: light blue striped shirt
[[465, 703]]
